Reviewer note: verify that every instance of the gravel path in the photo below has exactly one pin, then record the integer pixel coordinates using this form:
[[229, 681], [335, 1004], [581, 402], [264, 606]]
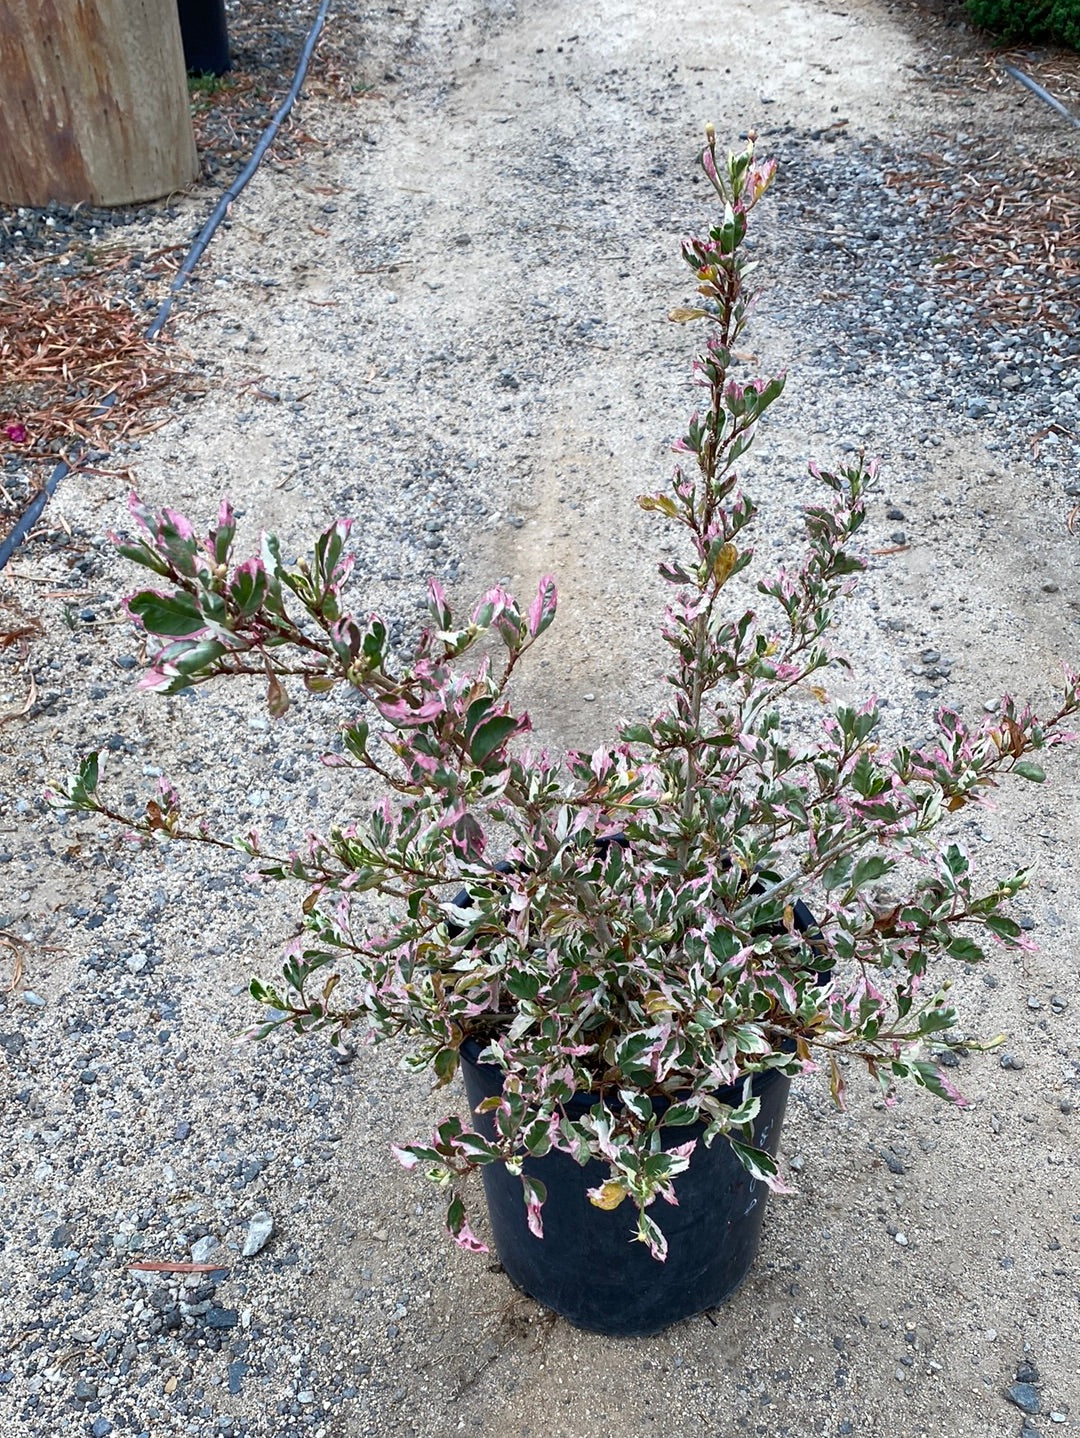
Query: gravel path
[[447, 319]]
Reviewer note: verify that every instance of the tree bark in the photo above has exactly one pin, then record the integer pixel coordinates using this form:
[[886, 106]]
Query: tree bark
[[93, 102]]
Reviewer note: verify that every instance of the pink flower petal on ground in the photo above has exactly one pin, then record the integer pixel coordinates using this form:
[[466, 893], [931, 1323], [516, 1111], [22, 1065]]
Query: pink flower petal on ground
[[466, 1239]]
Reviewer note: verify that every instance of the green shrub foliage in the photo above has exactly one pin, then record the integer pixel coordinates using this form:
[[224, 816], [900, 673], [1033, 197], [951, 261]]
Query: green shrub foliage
[[1029, 19]]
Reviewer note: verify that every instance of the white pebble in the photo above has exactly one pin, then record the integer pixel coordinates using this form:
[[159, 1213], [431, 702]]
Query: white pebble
[[202, 1250], [260, 1231]]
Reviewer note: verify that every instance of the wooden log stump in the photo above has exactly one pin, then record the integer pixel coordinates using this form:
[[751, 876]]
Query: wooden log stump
[[93, 102]]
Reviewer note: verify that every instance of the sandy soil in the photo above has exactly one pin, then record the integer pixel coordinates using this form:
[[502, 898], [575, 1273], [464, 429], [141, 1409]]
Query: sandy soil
[[466, 287]]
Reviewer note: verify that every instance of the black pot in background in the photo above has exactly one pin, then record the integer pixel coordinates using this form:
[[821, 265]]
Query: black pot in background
[[587, 1266], [205, 35]]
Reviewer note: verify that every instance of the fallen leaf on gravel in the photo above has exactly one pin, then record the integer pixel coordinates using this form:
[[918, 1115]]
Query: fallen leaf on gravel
[[17, 968], [8, 714]]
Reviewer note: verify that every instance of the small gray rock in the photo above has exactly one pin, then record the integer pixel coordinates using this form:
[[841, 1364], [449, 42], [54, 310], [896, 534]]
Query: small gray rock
[[1025, 1396], [260, 1230], [203, 1249]]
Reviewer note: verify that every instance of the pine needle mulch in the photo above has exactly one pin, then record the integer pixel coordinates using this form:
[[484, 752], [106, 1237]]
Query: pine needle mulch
[[1007, 233], [65, 346]]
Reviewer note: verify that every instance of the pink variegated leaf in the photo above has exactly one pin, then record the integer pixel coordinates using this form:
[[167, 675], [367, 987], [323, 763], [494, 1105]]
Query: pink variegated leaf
[[141, 514], [437, 605], [459, 1230], [535, 1194], [542, 609], [173, 520], [650, 1233], [708, 164]]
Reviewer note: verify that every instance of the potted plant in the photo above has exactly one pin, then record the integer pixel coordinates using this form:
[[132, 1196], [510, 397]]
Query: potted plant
[[615, 947]]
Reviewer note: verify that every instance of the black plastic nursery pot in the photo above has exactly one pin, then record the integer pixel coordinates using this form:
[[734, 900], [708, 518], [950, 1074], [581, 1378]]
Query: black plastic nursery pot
[[204, 31], [587, 1266]]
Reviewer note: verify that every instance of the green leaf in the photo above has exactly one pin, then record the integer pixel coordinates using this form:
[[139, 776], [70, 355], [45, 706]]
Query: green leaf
[[756, 1161], [746, 1112], [866, 777], [836, 875], [636, 734], [535, 1189], [869, 869], [680, 1114], [445, 1064], [523, 985], [140, 553], [355, 738], [637, 1103], [174, 615], [328, 550], [198, 656], [648, 1232], [930, 1076], [1003, 926], [956, 861], [490, 735], [89, 769], [477, 1149], [476, 712], [374, 644], [1027, 770], [248, 588], [966, 949], [536, 1137]]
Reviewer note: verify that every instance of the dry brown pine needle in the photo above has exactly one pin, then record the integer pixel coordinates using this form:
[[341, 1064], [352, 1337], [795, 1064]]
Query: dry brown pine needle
[[61, 355]]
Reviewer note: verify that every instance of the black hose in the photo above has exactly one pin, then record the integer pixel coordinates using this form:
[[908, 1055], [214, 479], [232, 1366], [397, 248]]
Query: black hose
[[1037, 89], [34, 509], [222, 207]]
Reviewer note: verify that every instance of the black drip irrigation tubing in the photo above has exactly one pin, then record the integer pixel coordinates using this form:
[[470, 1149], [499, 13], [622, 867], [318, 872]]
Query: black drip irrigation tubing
[[32, 513], [1037, 89]]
